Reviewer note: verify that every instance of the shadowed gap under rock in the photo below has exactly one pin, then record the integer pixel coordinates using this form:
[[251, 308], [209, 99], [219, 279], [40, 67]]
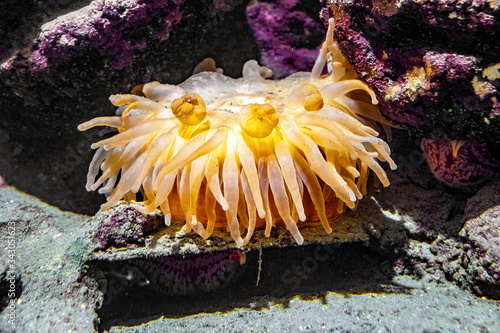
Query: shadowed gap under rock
[[309, 272]]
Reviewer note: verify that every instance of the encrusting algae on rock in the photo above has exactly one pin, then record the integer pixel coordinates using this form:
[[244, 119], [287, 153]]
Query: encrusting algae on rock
[[244, 153]]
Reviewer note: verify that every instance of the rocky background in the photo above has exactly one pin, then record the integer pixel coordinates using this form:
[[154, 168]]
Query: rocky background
[[430, 241], [435, 69]]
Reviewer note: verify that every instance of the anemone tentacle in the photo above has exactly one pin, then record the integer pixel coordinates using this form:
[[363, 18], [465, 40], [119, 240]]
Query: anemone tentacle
[[245, 153]]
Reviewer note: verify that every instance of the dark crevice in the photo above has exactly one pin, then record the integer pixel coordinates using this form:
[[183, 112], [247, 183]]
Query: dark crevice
[[409, 30], [308, 271]]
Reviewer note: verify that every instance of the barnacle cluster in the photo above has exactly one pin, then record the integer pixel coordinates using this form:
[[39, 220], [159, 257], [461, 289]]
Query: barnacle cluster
[[244, 153]]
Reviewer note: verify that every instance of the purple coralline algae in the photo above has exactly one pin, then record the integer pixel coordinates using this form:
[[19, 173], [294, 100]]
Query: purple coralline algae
[[192, 273], [458, 162], [122, 226], [111, 26], [434, 67], [288, 38], [414, 58]]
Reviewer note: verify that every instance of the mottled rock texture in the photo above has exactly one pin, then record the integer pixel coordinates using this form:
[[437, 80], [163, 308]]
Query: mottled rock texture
[[433, 65], [469, 257], [45, 250], [481, 235], [122, 227], [113, 27]]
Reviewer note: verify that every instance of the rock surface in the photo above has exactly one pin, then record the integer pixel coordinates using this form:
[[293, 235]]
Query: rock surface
[[434, 68], [287, 36], [481, 234]]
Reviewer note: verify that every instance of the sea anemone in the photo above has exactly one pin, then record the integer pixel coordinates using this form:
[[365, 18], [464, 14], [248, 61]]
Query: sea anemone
[[244, 153]]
